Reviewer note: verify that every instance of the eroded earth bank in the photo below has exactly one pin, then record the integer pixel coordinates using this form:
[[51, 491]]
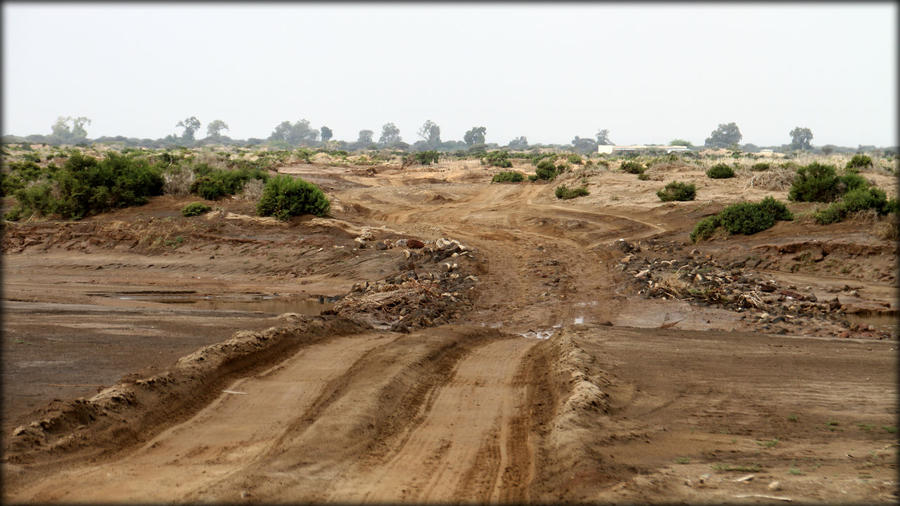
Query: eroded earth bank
[[440, 338]]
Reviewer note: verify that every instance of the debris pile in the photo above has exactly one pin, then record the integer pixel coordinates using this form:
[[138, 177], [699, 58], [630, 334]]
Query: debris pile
[[767, 305], [432, 286]]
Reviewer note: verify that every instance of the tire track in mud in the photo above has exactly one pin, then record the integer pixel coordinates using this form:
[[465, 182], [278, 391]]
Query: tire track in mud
[[465, 448], [380, 398], [220, 440]]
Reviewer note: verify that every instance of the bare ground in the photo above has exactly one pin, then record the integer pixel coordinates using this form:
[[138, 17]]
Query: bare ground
[[542, 367]]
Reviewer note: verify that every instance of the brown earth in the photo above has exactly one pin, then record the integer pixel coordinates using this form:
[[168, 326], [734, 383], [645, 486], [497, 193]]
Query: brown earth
[[531, 360]]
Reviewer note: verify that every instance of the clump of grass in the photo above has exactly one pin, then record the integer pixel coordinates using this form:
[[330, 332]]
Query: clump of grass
[[682, 460], [510, 176], [633, 167], [752, 468], [195, 209], [498, 159], [545, 170], [760, 166], [562, 192], [677, 190]]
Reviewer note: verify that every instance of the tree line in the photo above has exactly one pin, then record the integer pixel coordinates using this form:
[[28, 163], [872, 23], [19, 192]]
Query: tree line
[[287, 135]]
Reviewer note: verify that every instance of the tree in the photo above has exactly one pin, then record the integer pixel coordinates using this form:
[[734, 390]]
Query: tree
[[78, 131], [190, 126], [390, 135], [475, 136], [214, 128], [800, 138], [519, 143], [681, 142], [326, 134], [725, 136], [294, 134], [365, 137], [62, 132], [584, 144], [603, 137], [431, 134]]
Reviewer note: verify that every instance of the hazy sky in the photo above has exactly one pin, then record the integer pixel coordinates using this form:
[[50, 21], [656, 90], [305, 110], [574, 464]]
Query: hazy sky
[[647, 72]]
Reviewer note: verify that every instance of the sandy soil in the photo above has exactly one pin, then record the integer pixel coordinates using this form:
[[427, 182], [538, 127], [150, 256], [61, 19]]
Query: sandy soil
[[541, 368]]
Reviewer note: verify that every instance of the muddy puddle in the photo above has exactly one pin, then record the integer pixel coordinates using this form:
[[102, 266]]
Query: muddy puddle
[[265, 303]]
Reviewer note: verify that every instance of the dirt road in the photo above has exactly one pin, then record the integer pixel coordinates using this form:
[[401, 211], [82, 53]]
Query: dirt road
[[560, 383]]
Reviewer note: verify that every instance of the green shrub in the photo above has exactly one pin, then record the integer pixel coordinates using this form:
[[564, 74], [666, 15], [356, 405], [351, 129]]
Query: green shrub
[[213, 184], [498, 159], [195, 209], [859, 161], [720, 171], [508, 177], [546, 170], [427, 157], [284, 196], [677, 191], [562, 192], [533, 177], [632, 167], [705, 228], [643, 176], [86, 186], [815, 182], [859, 199], [760, 166], [574, 159], [851, 181], [744, 218]]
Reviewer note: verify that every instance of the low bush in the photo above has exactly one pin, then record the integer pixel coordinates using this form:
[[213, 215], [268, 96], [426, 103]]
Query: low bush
[[284, 196], [498, 159], [546, 170], [859, 161], [562, 192], [632, 167], [744, 218], [508, 177], [856, 200], [760, 166], [815, 182], [643, 176], [720, 171], [213, 184], [427, 157], [574, 159], [86, 186], [677, 191], [195, 209], [851, 181]]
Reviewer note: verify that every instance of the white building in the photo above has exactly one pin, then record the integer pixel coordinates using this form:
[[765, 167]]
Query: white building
[[609, 149]]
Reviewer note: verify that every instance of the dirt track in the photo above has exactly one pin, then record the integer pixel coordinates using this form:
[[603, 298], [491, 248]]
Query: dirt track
[[610, 408]]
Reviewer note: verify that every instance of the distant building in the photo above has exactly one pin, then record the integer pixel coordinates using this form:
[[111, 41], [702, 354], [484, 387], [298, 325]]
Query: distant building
[[637, 148]]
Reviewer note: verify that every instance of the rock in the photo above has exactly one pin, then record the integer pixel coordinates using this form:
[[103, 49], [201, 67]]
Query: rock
[[401, 243], [644, 273], [624, 246], [415, 244], [366, 235], [775, 485], [360, 242], [380, 245]]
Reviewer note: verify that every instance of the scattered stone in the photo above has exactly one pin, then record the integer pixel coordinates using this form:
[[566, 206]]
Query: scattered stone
[[415, 244], [775, 485]]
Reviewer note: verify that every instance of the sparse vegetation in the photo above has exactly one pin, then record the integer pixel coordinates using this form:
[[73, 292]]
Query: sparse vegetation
[[546, 170], [760, 166], [565, 193], [677, 190], [508, 177], [633, 167], [213, 184], [284, 196], [720, 171], [860, 199], [498, 159], [195, 209], [815, 182], [427, 157], [859, 161]]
